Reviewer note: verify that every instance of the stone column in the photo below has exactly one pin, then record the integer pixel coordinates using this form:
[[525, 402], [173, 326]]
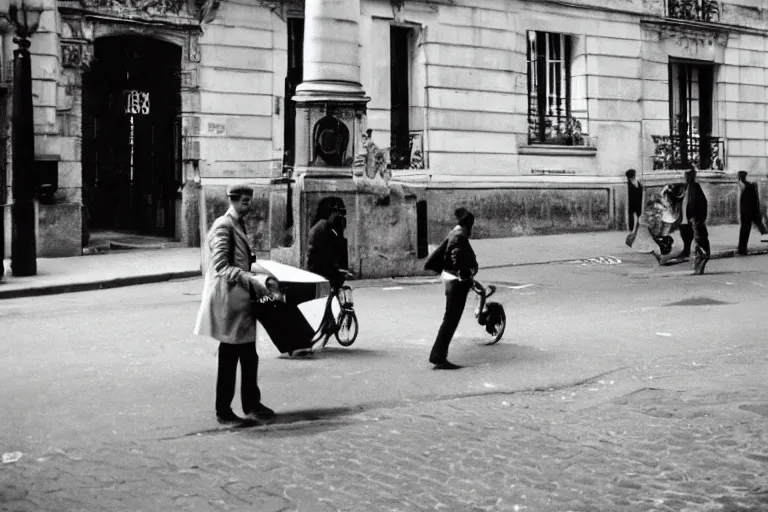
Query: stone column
[[331, 93], [331, 51], [330, 120]]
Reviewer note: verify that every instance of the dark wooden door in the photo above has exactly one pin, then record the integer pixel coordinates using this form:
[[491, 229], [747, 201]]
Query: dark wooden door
[[131, 136]]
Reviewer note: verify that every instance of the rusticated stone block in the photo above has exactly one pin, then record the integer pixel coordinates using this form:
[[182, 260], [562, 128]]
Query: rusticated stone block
[[502, 213], [59, 230]]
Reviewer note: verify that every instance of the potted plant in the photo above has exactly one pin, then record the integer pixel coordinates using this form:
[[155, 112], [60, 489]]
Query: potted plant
[[569, 133]]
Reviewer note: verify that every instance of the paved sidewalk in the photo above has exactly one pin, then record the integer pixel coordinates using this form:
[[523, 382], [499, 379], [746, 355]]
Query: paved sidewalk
[[80, 273], [506, 252]]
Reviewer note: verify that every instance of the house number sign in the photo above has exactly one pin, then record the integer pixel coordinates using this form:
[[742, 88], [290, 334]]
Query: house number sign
[[136, 102]]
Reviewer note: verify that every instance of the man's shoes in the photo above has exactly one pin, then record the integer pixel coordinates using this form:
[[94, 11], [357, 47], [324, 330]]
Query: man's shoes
[[699, 264], [229, 418], [262, 414], [446, 365]]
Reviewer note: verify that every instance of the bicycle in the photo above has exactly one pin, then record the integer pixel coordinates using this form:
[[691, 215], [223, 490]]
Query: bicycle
[[344, 326], [489, 314]]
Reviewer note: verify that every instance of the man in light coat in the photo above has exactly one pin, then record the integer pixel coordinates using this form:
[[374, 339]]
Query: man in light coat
[[226, 313]]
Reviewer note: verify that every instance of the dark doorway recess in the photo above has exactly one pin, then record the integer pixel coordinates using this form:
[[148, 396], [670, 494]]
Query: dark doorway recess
[[294, 77], [131, 150], [400, 59]]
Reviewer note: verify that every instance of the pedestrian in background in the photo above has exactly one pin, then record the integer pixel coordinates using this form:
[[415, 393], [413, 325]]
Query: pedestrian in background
[[749, 211], [634, 199], [226, 313], [694, 226], [459, 266]]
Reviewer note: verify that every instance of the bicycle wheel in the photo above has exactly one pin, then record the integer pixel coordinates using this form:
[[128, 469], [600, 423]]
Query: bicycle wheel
[[497, 330], [346, 334]]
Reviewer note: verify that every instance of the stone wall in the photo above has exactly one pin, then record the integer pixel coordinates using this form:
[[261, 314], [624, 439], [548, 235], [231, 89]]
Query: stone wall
[[238, 93], [472, 56], [506, 212], [239, 127]]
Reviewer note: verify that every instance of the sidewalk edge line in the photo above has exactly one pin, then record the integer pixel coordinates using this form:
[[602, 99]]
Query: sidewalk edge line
[[97, 285], [728, 253]]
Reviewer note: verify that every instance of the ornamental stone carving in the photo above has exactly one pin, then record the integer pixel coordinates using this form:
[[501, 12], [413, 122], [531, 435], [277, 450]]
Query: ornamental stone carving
[[689, 37], [75, 54], [161, 7]]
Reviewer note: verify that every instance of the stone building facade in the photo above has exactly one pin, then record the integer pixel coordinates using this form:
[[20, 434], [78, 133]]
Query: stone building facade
[[528, 112]]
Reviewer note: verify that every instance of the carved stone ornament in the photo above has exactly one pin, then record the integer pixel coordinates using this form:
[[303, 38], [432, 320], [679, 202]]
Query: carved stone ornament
[[194, 48], [207, 10], [688, 38], [161, 7], [76, 55]]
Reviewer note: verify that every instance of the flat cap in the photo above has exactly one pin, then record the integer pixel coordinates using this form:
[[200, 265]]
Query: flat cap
[[240, 189]]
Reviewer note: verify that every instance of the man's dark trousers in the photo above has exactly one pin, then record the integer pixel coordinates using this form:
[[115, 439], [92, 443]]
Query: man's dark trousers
[[250, 394], [694, 231], [746, 226], [701, 237], [455, 299], [686, 233]]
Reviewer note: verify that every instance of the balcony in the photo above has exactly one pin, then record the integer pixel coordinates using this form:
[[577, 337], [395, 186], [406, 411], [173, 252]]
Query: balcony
[[694, 10], [676, 152]]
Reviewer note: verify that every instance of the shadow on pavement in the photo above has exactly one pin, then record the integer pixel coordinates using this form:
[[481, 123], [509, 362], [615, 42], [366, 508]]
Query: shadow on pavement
[[475, 352], [336, 352], [296, 422], [304, 422]]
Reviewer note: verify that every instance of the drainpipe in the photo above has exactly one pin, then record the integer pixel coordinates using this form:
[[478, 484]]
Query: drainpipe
[[425, 110]]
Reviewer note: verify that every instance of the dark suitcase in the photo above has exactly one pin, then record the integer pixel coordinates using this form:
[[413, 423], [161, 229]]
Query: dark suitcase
[[285, 325]]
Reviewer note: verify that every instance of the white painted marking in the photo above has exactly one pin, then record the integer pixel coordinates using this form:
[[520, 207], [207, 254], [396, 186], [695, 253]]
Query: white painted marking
[[663, 334], [489, 385], [392, 288], [519, 287], [11, 457]]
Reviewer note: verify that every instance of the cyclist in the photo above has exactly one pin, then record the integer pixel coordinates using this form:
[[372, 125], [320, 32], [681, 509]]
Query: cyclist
[[326, 245], [327, 252]]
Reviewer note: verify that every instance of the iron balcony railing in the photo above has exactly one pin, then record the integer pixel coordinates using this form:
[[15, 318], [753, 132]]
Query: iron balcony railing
[[695, 10], [681, 152]]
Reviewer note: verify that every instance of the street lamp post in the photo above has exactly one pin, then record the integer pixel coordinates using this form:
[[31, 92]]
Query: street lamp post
[[23, 243]]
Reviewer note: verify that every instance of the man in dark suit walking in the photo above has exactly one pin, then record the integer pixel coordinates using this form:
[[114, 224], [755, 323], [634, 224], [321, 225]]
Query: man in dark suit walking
[[694, 226], [634, 199], [749, 211]]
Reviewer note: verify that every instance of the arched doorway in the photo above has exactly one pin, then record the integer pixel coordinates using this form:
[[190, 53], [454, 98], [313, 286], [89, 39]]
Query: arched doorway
[[131, 153]]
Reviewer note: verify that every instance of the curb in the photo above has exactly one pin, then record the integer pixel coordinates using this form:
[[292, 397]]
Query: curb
[[54, 289], [728, 253]]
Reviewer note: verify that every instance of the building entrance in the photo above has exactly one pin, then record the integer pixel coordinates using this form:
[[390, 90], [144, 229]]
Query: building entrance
[[131, 153]]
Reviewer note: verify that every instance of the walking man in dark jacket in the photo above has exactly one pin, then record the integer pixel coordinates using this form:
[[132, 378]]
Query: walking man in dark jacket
[[749, 211], [634, 199], [694, 222], [459, 268]]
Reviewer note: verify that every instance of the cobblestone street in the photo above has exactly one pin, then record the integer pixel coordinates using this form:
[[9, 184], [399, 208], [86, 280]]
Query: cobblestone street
[[619, 387], [692, 442]]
